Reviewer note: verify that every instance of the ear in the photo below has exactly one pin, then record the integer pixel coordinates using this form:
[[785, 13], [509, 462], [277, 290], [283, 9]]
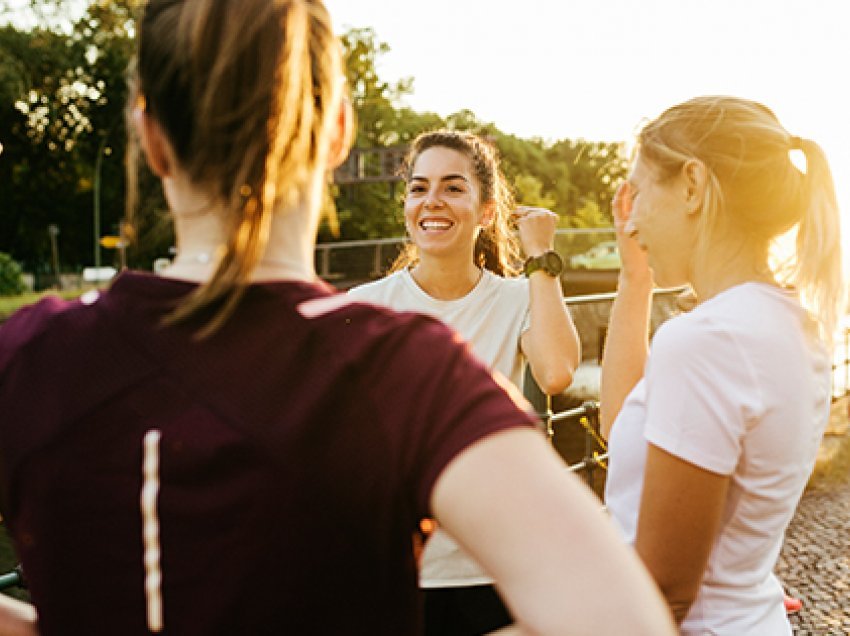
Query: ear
[[341, 135], [695, 177], [153, 141], [488, 213]]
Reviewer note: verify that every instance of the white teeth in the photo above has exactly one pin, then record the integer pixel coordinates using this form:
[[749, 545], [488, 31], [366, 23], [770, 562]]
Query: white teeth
[[435, 224]]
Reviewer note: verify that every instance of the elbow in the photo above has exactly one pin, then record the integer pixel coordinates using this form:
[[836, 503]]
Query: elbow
[[554, 380], [679, 601]]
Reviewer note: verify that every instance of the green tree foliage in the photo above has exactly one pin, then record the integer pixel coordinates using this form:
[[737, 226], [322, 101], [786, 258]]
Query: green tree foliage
[[62, 93], [62, 97], [11, 279], [529, 191], [372, 210], [584, 173]]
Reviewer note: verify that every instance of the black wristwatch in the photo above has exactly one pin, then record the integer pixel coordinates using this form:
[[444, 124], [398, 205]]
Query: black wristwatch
[[549, 261]]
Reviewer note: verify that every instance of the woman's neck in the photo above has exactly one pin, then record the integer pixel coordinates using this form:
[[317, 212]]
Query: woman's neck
[[201, 234], [446, 279], [728, 267]]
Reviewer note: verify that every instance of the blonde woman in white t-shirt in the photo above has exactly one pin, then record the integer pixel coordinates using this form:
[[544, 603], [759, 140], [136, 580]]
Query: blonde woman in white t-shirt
[[460, 266], [714, 431]]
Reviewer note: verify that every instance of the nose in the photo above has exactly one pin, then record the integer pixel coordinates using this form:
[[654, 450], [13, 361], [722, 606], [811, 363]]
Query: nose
[[433, 200], [630, 228]]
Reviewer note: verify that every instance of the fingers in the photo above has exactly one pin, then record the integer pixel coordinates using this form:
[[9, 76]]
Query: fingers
[[622, 208], [526, 211], [622, 203], [536, 228]]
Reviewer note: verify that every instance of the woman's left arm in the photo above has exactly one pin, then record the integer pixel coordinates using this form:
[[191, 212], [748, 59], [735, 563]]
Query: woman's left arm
[[681, 509], [551, 343]]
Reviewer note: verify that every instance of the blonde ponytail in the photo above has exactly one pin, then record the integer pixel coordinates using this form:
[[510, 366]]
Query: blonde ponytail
[[817, 271]]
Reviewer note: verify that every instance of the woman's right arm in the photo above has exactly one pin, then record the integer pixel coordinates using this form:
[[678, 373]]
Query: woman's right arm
[[627, 341], [540, 533]]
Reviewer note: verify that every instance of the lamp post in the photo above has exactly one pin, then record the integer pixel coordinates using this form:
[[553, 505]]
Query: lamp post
[[97, 166], [53, 231]]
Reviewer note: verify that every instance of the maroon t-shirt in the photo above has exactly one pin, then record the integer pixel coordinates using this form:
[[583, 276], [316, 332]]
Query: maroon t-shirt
[[299, 448]]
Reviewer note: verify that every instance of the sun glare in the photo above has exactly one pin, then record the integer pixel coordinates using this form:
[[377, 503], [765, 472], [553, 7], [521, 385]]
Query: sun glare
[[798, 158]]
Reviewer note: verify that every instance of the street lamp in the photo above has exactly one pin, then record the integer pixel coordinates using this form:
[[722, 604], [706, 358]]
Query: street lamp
[[53, 231], [97, 165]]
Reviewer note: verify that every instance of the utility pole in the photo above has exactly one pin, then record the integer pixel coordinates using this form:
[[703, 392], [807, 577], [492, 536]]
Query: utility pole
[[97, 166], [53, 231]]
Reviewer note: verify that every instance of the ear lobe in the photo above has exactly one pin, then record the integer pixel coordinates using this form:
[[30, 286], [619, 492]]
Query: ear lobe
[[696, 176], [153, 142], [341, 135]]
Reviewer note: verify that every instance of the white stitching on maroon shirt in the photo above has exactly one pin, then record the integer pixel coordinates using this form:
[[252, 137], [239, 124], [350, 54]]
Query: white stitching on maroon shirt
[[150, 530]]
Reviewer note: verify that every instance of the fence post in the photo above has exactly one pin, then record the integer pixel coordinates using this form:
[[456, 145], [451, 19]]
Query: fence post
[[591, 410], [546, 418], [846, 361], [376, 262], [325, 262]]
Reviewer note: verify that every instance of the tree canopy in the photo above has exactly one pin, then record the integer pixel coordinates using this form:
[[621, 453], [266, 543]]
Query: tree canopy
[[62, 130]]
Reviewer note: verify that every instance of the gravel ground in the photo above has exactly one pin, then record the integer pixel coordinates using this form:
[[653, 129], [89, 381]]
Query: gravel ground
[[815, 561]]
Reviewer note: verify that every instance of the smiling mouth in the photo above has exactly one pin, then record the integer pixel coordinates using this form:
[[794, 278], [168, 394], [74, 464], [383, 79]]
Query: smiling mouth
[[430, 225]]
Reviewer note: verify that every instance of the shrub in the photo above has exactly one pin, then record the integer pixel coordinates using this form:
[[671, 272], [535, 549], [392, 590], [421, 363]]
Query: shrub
[[11, 279]]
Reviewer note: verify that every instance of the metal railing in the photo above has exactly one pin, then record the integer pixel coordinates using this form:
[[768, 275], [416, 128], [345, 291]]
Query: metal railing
[[14, 578], [595, 448], [371, 258]]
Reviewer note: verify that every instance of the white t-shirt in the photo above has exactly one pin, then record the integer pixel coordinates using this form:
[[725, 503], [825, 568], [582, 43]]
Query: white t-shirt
[[740, 387], [492, 318]]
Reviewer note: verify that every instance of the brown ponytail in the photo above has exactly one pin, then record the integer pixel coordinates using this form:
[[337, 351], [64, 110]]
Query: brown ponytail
[[246, 92]]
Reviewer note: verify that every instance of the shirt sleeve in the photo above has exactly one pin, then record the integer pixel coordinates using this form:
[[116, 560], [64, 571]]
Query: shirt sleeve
[[701, 394], [441, 404]]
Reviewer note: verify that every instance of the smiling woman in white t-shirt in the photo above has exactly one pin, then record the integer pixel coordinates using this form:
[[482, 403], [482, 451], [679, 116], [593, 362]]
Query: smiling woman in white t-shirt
[[460, 267], [713, 432]]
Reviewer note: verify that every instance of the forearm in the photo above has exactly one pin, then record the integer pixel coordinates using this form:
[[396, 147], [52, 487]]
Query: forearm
[[681, 509], [17, 618], [626, 346], [567, 566], [551, 343]]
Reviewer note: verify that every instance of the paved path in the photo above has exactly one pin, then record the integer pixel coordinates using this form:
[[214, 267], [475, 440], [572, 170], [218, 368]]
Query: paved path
[[815, 561]]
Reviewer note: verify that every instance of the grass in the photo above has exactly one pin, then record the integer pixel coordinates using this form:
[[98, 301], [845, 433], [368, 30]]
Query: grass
[[10, 304]]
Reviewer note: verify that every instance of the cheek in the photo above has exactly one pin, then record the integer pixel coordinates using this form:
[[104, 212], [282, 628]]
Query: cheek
[[409, 212]]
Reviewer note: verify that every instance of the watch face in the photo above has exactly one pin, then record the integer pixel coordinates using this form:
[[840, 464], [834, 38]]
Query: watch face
[[553, 263], [549, 262]]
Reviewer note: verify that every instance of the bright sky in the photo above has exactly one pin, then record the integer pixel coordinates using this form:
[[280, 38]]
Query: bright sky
[[594, 69]]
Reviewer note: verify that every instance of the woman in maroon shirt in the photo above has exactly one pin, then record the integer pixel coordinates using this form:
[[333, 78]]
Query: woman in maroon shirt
[[232, 448]]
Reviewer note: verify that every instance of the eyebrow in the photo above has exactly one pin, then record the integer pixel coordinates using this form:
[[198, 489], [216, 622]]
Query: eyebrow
[[448, 177]]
